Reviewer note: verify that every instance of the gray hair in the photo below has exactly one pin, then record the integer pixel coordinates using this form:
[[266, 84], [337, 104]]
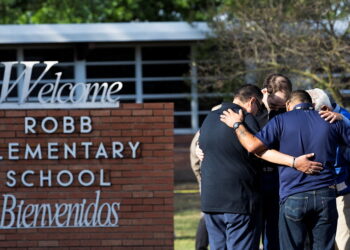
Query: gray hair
[[319, 98]]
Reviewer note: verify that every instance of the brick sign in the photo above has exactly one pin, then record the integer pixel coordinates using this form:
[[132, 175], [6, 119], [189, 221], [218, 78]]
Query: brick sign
[[87, 178]]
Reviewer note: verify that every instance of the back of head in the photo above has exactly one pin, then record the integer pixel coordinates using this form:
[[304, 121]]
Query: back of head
[[300, 96], [248, 91], [277, 82], [319, 98]]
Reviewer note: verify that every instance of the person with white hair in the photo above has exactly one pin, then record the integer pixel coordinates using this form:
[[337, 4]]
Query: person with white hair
[[322, 103]]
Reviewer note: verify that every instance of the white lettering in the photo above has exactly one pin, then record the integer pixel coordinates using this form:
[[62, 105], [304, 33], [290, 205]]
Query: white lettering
[[85, 125], [52, 148], [9, 210], [134, 148], [101, 152], [68, 125], [36, 153], [44, 126], [86, 145], [23, 178], [117, 149], [29, 124], [70, 180], [102, 177], [82, 182], [10, 176], [71, 150], [12, 149], [45, 178]]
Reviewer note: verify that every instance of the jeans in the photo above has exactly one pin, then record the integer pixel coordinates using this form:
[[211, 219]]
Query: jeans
[[232, 231], [312, 213]]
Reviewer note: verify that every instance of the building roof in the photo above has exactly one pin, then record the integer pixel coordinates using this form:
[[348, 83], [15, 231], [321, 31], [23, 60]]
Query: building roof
[[103, 32]]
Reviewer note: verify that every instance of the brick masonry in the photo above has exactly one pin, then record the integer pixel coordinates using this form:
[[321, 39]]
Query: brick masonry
[[143, 186]]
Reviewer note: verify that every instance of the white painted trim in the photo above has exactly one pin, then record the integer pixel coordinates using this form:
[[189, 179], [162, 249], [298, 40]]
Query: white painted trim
[[104, 63], [138, 75], [194, 92]]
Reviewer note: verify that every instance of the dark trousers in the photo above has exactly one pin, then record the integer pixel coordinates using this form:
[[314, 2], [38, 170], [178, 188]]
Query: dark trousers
[[202, 238], [232, 231], [312, 213], [270, 214]]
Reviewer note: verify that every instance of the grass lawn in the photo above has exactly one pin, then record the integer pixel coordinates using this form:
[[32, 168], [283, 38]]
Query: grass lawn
[[187, 214]]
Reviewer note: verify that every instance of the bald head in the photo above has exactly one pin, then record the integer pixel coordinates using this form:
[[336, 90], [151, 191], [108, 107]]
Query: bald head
[[297, 97]]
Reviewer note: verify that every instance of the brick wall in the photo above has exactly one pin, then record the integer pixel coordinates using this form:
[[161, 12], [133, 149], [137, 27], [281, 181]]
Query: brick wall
[[143, 186]]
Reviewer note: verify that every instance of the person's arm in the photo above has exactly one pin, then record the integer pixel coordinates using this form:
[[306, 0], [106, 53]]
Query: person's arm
[[301, 163], [195, 161], [331, 116], [253, 145]]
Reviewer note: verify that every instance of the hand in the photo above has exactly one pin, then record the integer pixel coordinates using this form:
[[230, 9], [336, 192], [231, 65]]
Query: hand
[[199, 153], [303, 164], [331, 116], [229, 117]]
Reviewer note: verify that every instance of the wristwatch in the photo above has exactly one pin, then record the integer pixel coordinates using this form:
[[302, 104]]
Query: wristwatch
[[236, 125]]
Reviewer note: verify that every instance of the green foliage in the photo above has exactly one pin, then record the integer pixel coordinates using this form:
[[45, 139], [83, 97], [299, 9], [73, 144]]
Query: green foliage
[[89, 11], [187, 215], [301, 38]]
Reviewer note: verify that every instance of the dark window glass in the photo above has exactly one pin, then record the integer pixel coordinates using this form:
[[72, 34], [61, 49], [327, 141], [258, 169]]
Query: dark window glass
[[166, 87], [67, 72], [165, 70], [56, 54], [166, 53], [183, 104], [13, 92], [111, 54], [207, 103], [8, 55], [110, 71], [182, 121], [13, 72]]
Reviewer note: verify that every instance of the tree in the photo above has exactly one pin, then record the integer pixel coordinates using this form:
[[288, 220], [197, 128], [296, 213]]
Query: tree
[[88, 11], [307, 39]]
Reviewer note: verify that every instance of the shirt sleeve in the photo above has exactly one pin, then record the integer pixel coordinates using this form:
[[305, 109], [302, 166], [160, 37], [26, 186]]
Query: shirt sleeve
[[270, 134], [344, 133], [346, 120]]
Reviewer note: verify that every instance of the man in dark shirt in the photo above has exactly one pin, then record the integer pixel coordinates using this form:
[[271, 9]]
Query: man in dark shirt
[[307, 201], [229, 195]]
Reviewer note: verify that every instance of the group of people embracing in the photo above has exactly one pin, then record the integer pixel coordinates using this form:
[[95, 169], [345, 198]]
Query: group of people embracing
[[273, 162]]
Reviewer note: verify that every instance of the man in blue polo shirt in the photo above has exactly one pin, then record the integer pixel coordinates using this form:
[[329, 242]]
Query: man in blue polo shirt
[[307, 201], [322, 103]]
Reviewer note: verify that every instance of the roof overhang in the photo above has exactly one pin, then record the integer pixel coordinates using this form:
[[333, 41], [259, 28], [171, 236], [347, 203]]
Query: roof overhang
[[103, 32]]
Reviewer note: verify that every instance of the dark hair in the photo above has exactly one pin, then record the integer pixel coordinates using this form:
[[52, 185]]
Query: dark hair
[[301, 96], [277, 82], [248, 91]]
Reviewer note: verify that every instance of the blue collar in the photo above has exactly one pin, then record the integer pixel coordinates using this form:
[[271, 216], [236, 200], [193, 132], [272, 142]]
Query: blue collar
[[304, 106]]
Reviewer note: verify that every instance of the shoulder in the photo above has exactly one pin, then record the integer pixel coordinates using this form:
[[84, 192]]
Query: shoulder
[[344, 112], [251, 122]]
